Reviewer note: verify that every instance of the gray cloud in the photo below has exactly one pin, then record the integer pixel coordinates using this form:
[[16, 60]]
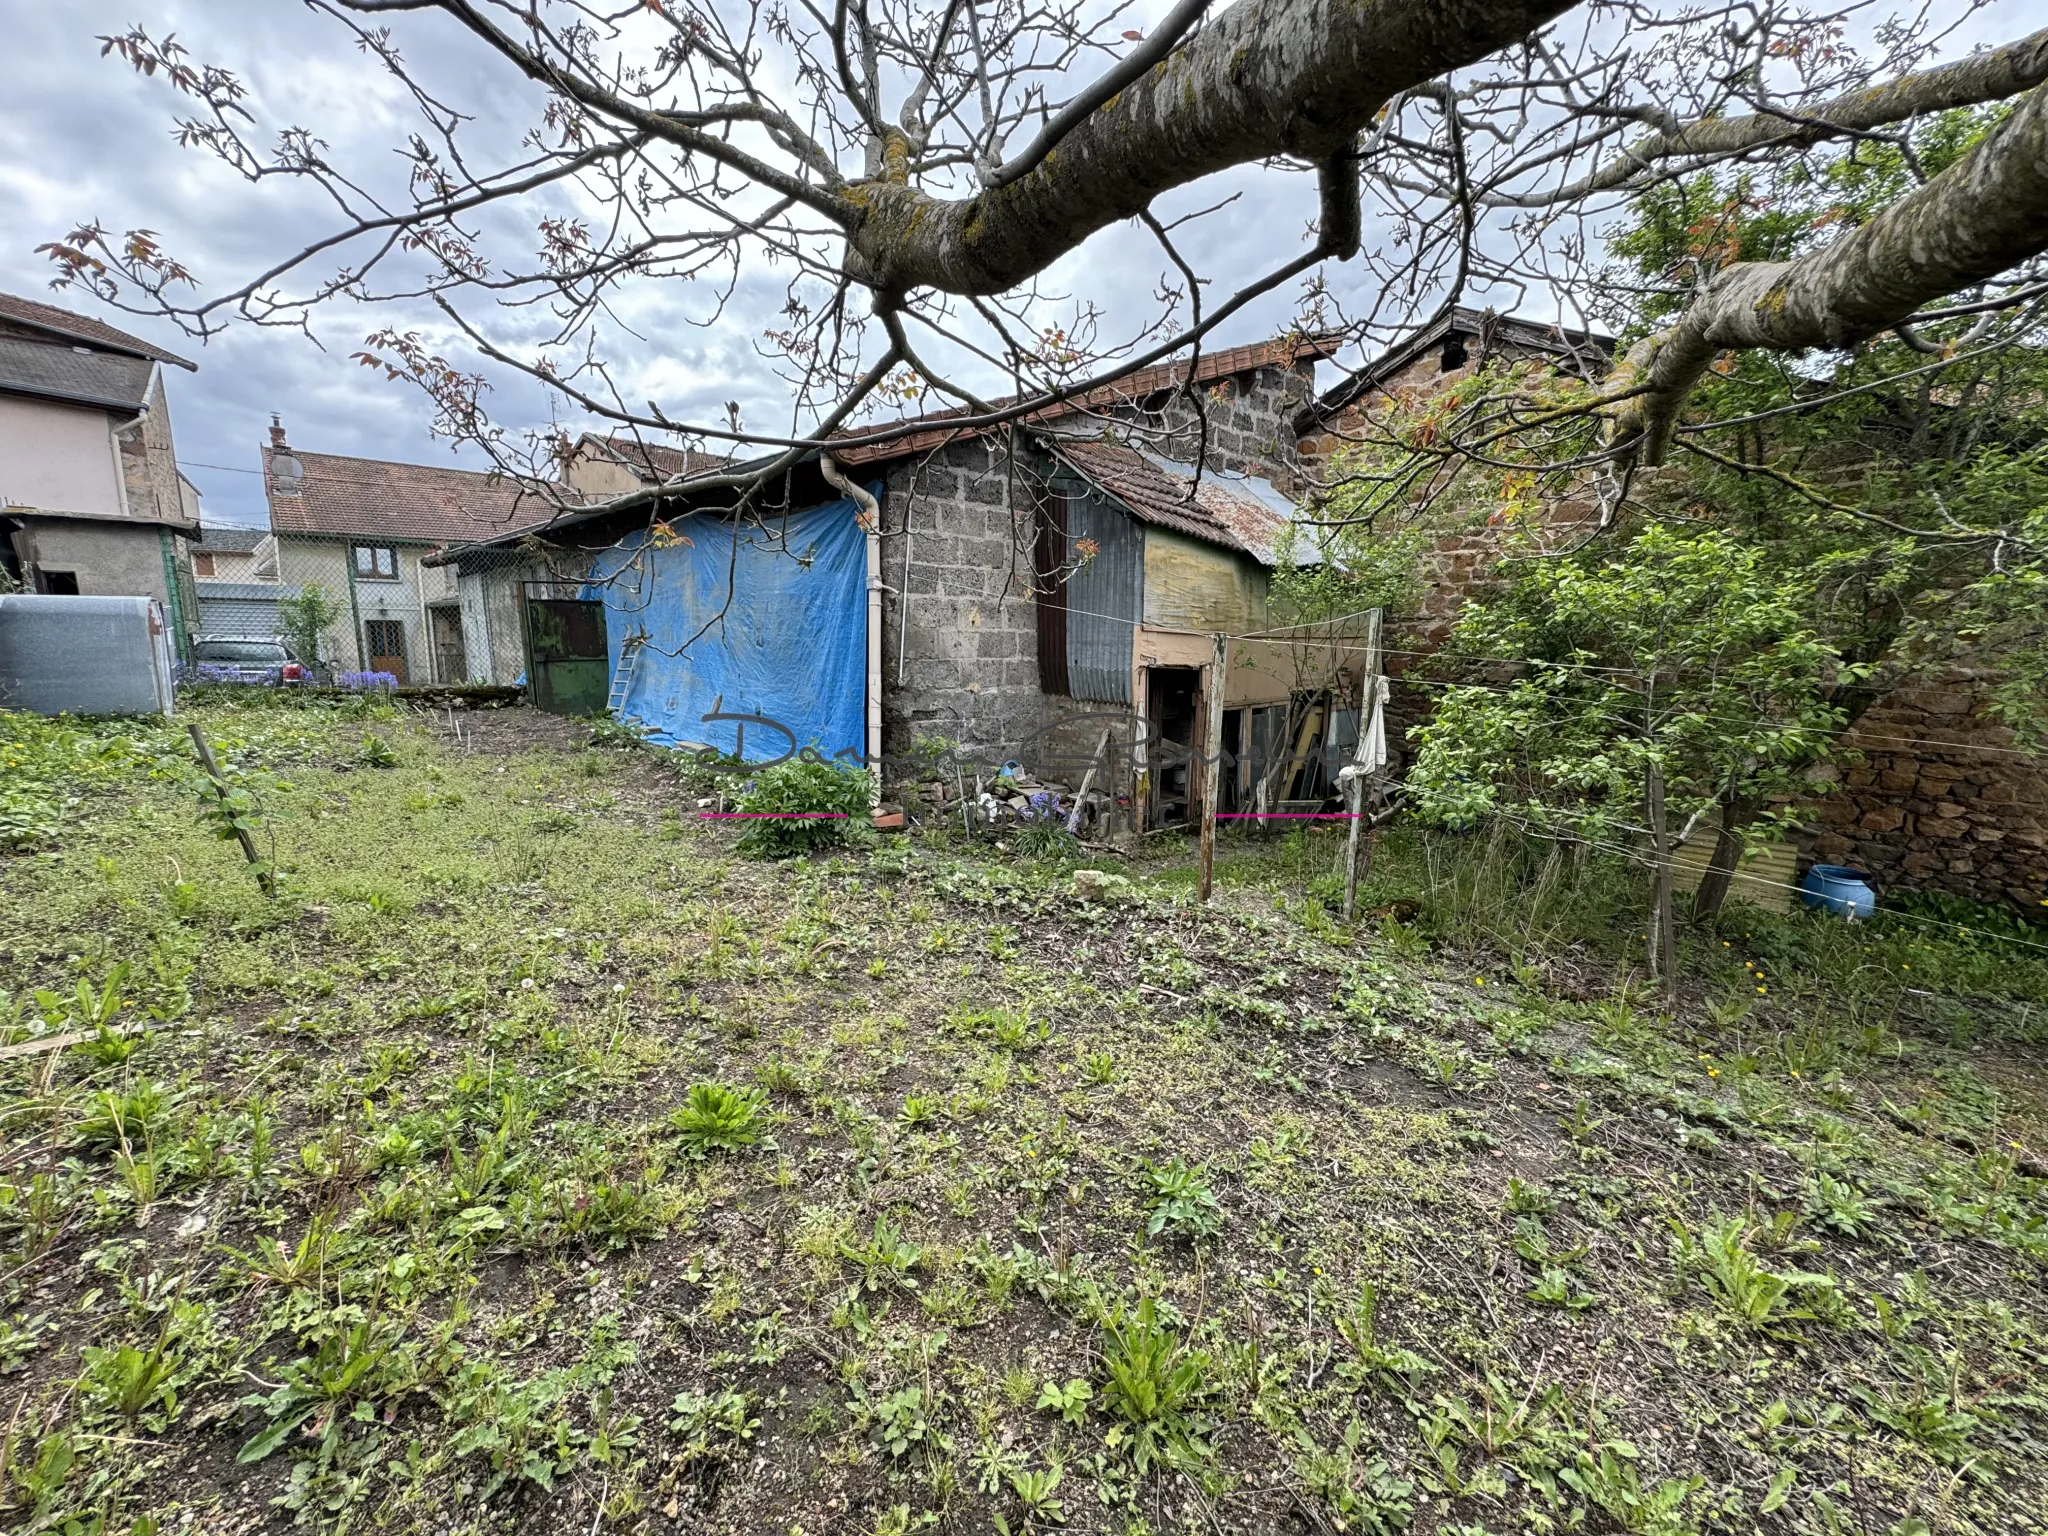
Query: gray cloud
[[83, 137]]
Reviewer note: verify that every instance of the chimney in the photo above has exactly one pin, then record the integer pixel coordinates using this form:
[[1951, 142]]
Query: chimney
[[287, 474]]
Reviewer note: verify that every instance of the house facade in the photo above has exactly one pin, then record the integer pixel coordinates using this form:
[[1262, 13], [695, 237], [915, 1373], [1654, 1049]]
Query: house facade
[[362, 532], [91, 501]]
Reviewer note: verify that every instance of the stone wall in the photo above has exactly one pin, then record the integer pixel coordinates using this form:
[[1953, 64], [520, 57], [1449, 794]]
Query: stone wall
[[149, 463], [1941, 800], [962, 661], [1250, 423]]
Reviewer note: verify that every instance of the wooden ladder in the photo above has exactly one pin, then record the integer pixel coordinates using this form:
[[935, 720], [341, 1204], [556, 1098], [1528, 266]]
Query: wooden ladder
[[622, 679]]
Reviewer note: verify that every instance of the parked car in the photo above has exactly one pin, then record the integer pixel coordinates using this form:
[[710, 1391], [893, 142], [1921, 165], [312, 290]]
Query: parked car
[[243, 659]]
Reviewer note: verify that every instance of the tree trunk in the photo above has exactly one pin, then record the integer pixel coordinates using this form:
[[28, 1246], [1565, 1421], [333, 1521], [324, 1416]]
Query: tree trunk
[[1264, 78], [1663, 933], [1736, 815]]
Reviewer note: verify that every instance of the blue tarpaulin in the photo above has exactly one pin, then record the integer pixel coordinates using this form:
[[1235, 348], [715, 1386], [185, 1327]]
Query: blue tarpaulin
[[745, 618]]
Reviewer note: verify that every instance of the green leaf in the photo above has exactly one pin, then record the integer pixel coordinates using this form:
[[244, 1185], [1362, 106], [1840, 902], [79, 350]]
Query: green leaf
[[1780, 1489], [268, 1440]]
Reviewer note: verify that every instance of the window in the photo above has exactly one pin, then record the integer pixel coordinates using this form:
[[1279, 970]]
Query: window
[[202, 564], [376, 562], [60, 583]]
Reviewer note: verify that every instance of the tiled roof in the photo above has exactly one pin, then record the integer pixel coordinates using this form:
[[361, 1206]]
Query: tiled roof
[[1500, 335], [230, 538], [1281, 352], [243, 591], [1237, 512], [54, 371], [417, 503], [657, 461], [47, 317]]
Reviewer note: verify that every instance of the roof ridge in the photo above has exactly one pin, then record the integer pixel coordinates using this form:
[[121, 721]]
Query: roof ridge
[[63, 322]]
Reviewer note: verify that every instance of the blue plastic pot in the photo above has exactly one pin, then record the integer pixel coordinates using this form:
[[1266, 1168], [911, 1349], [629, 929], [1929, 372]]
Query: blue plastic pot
[[1839, 889]]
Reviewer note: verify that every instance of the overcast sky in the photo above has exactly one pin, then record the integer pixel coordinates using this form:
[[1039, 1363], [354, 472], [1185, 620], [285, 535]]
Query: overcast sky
[[83, 137]]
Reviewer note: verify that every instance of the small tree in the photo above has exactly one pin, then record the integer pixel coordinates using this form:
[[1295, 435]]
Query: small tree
[[1676, 677], [302, 620]]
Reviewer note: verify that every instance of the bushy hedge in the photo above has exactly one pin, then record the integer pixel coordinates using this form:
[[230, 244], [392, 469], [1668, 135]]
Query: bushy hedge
[[826, 805]]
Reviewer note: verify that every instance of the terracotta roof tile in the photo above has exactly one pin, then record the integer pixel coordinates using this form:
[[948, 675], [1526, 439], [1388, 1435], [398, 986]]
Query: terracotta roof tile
[[47, 317], [416, 503], [1281, 352]]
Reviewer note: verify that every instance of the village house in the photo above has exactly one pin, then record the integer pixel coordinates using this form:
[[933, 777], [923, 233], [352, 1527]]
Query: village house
[[230, 552], [362, 531], [91, 501], [1015, 595]]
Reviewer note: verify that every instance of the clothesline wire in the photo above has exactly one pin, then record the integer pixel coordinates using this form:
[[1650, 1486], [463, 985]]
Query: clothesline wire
[[1266, 637]]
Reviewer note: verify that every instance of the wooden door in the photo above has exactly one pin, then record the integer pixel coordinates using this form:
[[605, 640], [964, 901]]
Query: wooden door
[[451, 665], [384, 640]]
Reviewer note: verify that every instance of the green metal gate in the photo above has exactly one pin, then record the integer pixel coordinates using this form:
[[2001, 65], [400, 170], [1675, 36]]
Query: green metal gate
[[568, 665]]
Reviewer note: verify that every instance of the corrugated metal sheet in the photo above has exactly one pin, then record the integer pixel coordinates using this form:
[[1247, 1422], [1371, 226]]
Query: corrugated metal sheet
[[1104, 597], [1050, 589], [84, 655]]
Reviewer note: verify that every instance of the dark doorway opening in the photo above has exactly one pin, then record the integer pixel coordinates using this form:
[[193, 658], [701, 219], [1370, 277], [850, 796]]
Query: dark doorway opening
[[60, 583], [1173, 698]]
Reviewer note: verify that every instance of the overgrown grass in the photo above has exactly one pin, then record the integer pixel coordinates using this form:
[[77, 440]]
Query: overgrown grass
[[534, 1163]]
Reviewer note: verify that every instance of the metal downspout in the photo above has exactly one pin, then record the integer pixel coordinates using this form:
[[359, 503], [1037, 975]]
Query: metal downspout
[[180, 640]]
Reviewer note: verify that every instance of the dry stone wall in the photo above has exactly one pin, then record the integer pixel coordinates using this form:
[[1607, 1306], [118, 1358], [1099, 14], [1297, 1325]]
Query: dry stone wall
[[1941, 800]]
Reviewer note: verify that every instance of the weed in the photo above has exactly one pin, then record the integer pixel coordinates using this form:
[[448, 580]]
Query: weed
[[131, 1382], [1154, 1383], [719, 1119], [1099, 1067], [1036, 1492], [1070, 1402], [1181, 1203], [1840, 1206], [1358, 1326], [118, 1119], [1743, 1288], [1360, 1489], [1607, 1479], [710, 1424], [1008, 1029], [898, 1420], [886, 1258], [798, 807]]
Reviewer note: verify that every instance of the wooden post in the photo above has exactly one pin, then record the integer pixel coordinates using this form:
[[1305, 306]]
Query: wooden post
[[1358, 850], [1212, 763], [1088, 782], [220, 787]]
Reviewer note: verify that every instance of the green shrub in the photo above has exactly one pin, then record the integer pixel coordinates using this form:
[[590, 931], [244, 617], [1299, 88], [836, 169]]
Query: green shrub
[[827, 806]]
